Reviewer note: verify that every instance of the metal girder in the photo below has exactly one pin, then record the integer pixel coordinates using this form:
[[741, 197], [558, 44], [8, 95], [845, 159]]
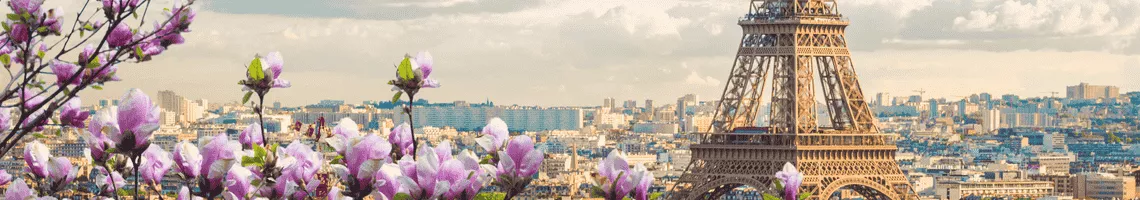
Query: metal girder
[[793, 40]]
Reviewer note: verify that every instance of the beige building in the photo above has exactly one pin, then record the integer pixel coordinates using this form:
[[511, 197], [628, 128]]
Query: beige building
[[1062, 184], [1103, 186], [1086, 91], [1010, 188]]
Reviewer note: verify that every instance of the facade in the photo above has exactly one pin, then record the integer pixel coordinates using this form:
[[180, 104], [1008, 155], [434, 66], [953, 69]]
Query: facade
[[1062, 184], [991, 120], [1086, 91], [1103, 186], [994, 189]]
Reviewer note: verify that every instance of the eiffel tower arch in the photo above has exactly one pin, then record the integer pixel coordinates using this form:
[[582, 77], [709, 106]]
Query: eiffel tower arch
[[791, 43]]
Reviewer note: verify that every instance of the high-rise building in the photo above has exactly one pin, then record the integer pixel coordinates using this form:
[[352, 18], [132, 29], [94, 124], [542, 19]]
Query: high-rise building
[[1086, 91], [914, 99], [985, 96], [883, 99], [629, 104], [933, 108], [683, 105], [649, 105], [1010, 98], [609, 103], [991, 120]]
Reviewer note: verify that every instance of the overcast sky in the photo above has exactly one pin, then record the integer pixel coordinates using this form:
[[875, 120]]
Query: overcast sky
[[577, 52]]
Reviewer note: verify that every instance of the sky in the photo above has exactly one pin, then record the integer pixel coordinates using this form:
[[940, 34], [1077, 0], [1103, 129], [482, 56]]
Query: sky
[[578, 52]]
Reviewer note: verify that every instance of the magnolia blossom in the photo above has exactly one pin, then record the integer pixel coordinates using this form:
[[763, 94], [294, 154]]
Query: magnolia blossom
[[429, 177], [238, 183], [155, 163], [620, 180], [105, 71], [109, 183], [25, 6], [5, 177], [343, 135], [251, 136], [5, 119], [36, 156], [495, 134], [31, 98], [188, 160], [792, 179], [98, 142], [72, 115], [19, 190], [362, 160], [62, 173], [120, 35], [386, 180], [272, 66], [218, 156], [136, 120], [299, 164], [521, 158], [422, 67], [401, 138], [64, 72]]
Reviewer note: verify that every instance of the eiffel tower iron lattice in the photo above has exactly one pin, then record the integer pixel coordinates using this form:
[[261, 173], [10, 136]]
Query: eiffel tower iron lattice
[[791, 40]]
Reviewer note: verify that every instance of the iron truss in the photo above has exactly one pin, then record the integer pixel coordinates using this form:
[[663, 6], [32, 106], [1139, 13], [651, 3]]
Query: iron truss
[[791, 43]]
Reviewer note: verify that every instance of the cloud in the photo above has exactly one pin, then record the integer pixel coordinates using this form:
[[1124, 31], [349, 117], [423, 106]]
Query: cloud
[[571, 49], [695, 79]]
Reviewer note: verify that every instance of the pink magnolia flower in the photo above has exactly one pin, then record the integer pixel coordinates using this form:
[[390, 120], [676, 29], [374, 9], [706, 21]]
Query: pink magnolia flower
[[72, 115], [154, 164], [520, 159], [120, 35], [401, 138], [61, 172], [31, 98], [495, 134], [19, 32], [792, 179], [386, 180], [108, 183], [64, 71], [364, 159], [188, 160], [5, 177], [619, 178], [105, 121], [19, 190], [25, 6], [238, 183], [218, 156], [251, 136], [137, 120], [344, 135], [37, 156], [5, 119]]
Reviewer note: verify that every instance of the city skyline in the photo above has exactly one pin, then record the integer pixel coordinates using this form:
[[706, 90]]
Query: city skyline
[[656, 52]]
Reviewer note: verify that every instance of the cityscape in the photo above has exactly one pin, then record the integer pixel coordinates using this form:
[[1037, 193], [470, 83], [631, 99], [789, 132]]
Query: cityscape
[[600, 100], [1080, 145]]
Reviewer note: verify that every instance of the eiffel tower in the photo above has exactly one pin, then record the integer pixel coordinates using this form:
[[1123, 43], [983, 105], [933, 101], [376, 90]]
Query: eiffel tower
[[793, 40]]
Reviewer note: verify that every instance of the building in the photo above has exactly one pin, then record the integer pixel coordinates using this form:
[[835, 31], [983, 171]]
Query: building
[[991, 120], [1062, 184], [993, 189], [1052, 164], [1103, 186], [655, 127], [882, 99], [933, 109], [1086, 91]]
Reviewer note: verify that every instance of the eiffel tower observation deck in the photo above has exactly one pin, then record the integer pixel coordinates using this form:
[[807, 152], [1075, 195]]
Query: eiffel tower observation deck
[[791, 43]]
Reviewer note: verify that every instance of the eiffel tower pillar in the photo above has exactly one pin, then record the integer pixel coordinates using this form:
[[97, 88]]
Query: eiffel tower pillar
[[791, 43]]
